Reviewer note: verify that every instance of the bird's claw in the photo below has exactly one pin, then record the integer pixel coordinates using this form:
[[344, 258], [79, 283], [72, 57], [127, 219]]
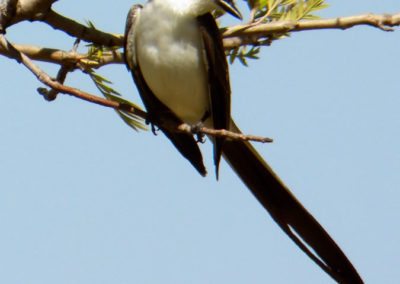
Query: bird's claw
[[196, 130], [154, 129]]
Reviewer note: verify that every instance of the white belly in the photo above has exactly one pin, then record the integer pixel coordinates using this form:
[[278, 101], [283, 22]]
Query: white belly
[[170, 56]]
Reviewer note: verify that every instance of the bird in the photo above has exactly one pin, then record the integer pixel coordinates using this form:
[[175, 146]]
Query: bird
[[174, 51]]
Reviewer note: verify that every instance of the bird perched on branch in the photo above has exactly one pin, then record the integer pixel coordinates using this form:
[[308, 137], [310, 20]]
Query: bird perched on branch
[[174, 50]]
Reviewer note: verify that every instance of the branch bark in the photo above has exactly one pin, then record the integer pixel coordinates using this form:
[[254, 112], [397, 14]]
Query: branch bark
[[251, 34], [48, 81], [62, 57], [77, 30], [14, 11]]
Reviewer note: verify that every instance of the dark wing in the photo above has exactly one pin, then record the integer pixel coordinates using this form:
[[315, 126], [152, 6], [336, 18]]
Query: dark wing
[[158, 113], [218, 78]]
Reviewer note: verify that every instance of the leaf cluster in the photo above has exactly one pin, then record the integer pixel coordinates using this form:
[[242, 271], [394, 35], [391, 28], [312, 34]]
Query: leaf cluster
[[267, 11], [104, 86]]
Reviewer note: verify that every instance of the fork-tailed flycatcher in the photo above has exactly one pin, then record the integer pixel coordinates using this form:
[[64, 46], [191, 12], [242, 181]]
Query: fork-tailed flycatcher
[[174, 50]]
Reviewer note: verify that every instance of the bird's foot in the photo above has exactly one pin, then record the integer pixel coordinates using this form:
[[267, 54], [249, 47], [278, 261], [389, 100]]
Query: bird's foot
[[196, 130], [154, 129]]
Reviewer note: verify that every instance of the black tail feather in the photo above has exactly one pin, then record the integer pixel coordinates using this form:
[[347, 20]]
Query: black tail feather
[[290, 215]]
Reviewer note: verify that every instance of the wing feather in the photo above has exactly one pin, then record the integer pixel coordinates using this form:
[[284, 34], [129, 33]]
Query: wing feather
[[158, 114]]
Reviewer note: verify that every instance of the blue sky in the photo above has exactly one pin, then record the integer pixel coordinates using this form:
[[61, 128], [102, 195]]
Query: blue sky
[[84, 199]]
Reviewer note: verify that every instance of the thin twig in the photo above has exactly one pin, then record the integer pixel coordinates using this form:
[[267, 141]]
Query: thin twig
[[234, 135], [51, 95], [186, 128], [77, 30], [48, 81], [267, 14], [251, 34], [62, 57]]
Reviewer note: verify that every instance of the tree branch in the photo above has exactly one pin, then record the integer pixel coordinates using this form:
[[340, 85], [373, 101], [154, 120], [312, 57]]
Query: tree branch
[[62, 57], [237, 35], [14, 11], [251, 34], [82, 32], [48, 81], [233, 37], [60, 88], [184, 127]]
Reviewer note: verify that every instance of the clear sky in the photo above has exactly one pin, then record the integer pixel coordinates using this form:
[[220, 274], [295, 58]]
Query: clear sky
[[84, 199]]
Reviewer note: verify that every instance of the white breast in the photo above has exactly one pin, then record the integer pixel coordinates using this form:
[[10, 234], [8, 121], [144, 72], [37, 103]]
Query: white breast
[[170, 56]]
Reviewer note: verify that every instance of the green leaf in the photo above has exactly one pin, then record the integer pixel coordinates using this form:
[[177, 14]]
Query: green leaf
[[271, 11], [134, 121]]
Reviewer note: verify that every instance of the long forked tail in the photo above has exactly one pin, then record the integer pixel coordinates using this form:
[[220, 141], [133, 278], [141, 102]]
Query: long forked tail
[[287, 211]]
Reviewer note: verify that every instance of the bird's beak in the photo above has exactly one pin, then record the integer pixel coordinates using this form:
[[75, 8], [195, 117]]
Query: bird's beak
[[229, 6]]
